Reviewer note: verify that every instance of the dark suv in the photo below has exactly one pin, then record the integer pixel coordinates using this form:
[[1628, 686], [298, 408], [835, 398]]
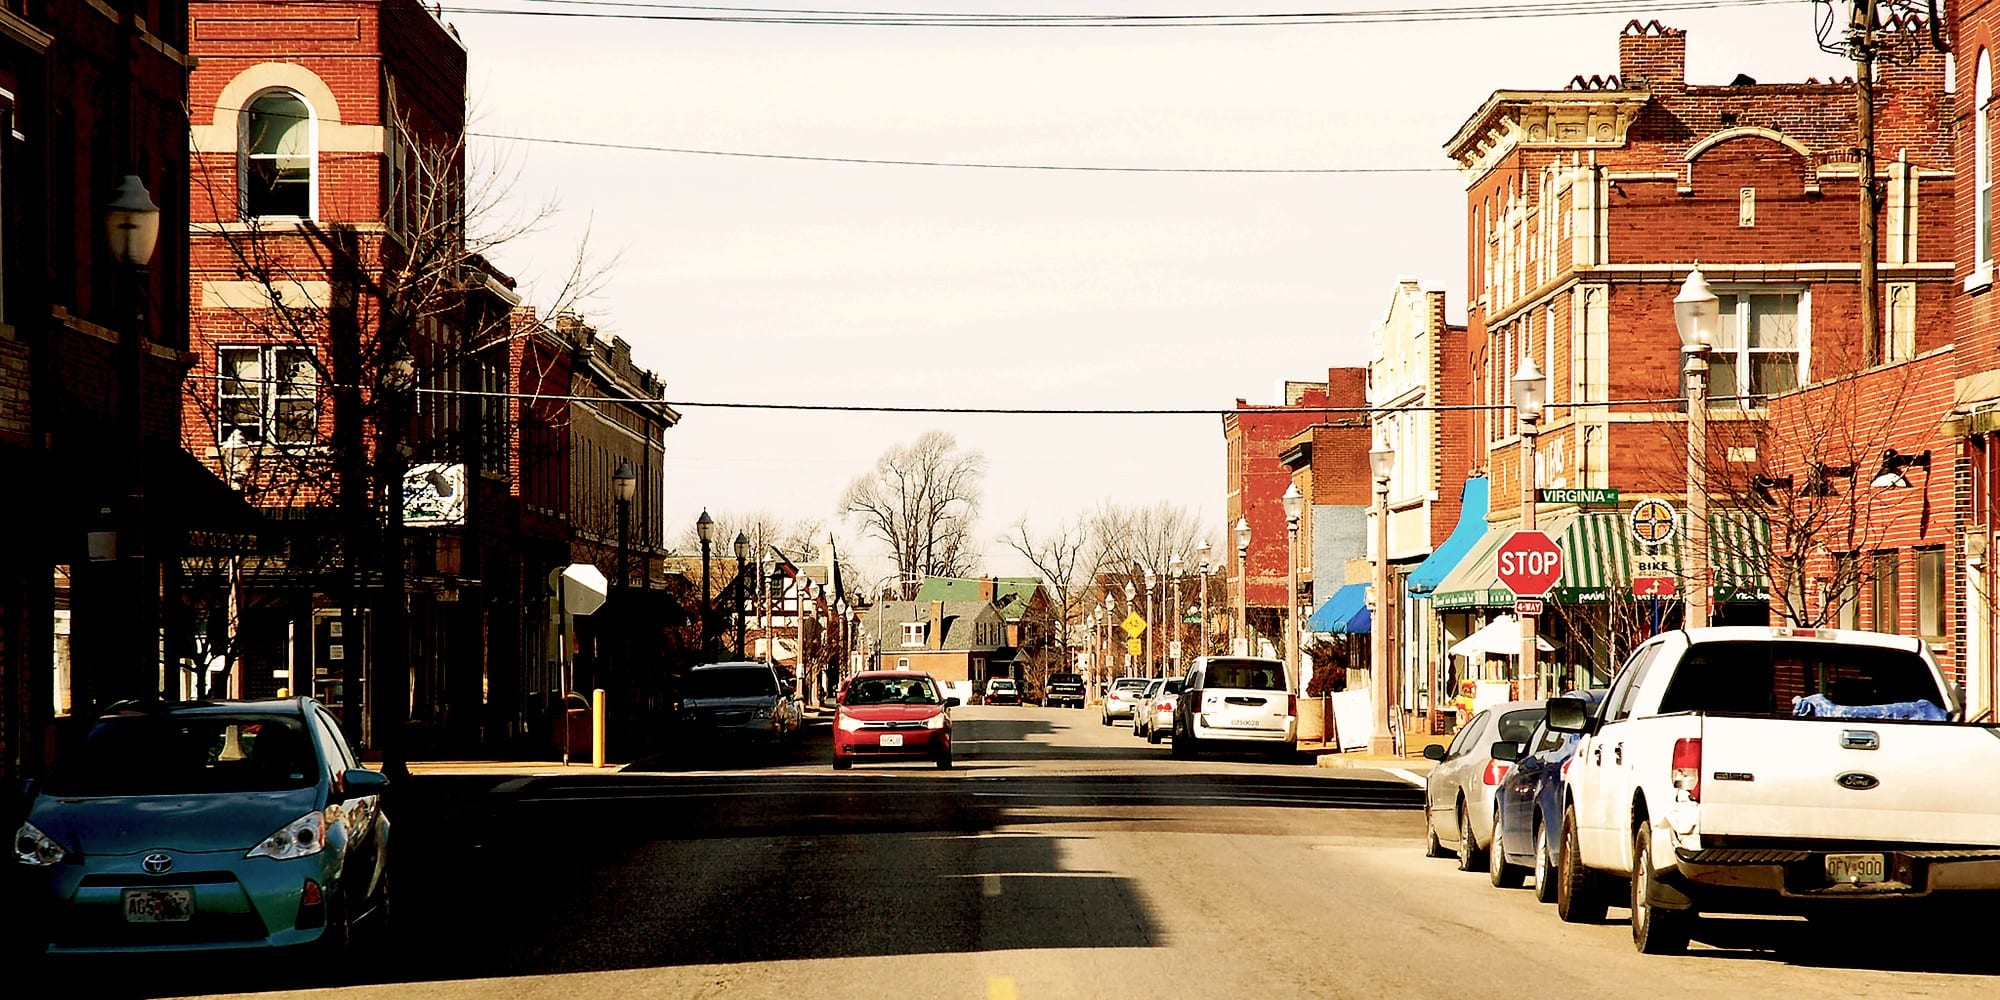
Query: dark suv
[[1065, 690]]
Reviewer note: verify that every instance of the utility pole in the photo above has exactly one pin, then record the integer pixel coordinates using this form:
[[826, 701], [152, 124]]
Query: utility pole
[[1862, 46]]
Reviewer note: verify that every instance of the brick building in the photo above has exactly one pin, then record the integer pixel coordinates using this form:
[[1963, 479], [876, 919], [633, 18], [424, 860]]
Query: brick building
[[92, 354], [1589, 205], [1255, 439], [351, 361]]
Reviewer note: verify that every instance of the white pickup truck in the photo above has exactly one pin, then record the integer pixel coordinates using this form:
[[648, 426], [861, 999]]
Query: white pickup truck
[[1774, 770]]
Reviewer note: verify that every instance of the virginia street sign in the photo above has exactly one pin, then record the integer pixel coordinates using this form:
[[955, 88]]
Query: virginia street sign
[[1606, 496]]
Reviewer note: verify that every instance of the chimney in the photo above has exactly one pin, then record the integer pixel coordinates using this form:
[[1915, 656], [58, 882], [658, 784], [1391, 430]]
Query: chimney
[[934, 636], [988, 587], [1653, 56]]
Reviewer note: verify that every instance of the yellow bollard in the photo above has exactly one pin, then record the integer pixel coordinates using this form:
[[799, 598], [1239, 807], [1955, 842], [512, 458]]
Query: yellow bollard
[[597, 728]]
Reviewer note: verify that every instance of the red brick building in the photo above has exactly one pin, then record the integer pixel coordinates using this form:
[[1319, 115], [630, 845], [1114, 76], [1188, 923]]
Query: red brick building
[[1256, 439], [1587, 208], [92, 353]]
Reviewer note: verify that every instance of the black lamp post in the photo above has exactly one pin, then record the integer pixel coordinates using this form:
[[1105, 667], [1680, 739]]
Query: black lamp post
[[704, 528], [624, 483], [742, 556], [132, 229]]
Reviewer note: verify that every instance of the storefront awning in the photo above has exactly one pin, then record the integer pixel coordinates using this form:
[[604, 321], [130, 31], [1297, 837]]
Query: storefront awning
[[1471, 527], [1475, 581], [1346, 612], [1598, 555]]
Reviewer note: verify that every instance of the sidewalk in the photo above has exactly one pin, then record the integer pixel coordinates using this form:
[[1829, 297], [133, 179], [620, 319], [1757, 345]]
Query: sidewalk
[[507, 768], [1412, 769]]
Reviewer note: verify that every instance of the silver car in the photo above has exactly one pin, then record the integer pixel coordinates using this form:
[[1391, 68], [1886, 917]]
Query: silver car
[[1123, 696], [1458, 799], [1153, 717], [741, 701]]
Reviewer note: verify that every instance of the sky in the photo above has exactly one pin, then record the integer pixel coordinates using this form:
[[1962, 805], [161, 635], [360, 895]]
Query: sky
[[757, 280]]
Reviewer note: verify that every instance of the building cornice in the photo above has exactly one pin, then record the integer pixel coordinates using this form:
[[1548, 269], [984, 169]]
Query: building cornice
[[1543, 119], [23, 31]]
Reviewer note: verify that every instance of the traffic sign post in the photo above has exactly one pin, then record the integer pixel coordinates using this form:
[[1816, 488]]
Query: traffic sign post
[[1133, 625], [1530, 563]]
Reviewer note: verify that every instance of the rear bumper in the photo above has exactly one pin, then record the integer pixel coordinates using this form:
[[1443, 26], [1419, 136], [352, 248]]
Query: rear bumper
[[1221, 734], [1800, 874]]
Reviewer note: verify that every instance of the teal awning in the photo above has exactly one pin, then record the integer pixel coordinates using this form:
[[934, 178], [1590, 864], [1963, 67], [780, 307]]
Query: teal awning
[[1475, 498], [1346, 612]]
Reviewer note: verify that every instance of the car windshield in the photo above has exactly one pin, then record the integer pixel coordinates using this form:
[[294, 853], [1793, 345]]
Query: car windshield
[[1246, 674], [1002, 685], [1130, 684], [735, 682], [1517, 726], [187, 754], [1764, 677], [892, 691], [1055, 679], [1172, 687]]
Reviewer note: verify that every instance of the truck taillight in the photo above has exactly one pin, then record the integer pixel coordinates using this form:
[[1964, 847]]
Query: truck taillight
[[1292, 705], [1687, 767], [1496, 771]]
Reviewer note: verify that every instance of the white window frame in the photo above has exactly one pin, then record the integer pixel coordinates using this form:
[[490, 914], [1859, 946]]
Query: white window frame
[[1982, 156], [245, 156], [1802, 310], [267, 394], [913, 633]]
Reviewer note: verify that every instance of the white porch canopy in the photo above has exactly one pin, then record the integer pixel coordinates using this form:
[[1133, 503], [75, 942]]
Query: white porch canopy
[[1499, 637]]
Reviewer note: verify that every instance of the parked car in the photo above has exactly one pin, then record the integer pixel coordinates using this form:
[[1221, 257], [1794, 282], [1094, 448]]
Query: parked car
[[1141, 704], [1461, 787], [735, 702], [1528, 807], [1775, 770], [1002, 691], [1242, 701], [1120, 700], [219, 826], [1065, 690], [1154, 716], [891, 714]]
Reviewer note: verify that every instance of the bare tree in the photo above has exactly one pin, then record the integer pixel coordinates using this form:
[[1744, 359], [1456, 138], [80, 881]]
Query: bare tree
[[921, 501], [1067, 561], [1131, 543]]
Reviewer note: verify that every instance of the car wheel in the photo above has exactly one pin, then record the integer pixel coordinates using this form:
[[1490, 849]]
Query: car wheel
[[944, 761], [1579, 895], [1502, 874], [1433, 847], [1104, 717], [1469, 859], [1654, 931], [842, 763], [1185, 745], [1545, 872]]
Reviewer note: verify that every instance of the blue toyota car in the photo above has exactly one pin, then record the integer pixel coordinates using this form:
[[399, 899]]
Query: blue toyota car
[[213, 827], [1528, 806]]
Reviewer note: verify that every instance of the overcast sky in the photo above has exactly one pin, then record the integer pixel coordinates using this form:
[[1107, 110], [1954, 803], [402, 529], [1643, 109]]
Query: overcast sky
[[776, 281]]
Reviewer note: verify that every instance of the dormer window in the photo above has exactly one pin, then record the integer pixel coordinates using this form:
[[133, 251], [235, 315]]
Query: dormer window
[[280, 161], [913, 633]]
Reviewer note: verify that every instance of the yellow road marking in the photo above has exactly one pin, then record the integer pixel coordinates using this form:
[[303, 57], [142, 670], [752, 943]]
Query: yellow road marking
[[1001, 988], [991, 887]]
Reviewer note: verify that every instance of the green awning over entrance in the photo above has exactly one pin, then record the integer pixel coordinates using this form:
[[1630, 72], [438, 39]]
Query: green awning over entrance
[[1599, 550], [1475, 581]]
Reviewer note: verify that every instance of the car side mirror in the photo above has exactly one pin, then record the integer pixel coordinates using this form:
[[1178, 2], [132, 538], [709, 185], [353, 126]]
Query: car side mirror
[[1506, 750], [1434, 751], [1569, 715], [357, 782]]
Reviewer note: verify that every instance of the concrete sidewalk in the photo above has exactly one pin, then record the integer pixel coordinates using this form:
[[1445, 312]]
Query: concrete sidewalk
[[507, 768], [1414, 770]]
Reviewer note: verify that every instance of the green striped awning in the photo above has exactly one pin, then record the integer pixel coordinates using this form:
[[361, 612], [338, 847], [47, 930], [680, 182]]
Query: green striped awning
[[1598, 552], [1475, 581]]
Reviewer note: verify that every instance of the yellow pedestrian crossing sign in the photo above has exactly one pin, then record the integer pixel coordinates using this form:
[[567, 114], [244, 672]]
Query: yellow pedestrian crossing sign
[[1133, 625], [1134, 646]]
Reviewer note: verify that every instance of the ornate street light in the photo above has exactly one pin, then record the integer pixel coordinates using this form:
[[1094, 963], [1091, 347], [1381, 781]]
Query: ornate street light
[[1382, 462], [704, 529], [742, 548], [1531, 388], [1295, 503], [1697, 317], [1243, 583]]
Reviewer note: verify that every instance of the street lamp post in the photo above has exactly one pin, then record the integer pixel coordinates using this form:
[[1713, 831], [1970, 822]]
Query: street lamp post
[[1295, 503], [1173, 615], [1388, 734], [132, 230], [1243, 583], [1152, 620], [704, 529], [1131, 593], [742, 547], [1201, 637], [624, 484], [1530, 389], [1697, 314]]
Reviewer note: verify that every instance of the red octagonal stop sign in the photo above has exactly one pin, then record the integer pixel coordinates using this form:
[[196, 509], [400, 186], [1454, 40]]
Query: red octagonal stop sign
[[1530, 563]]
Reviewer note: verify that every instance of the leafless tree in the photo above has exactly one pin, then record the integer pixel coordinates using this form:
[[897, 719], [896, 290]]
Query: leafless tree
[[1066, 560], [921, 502], [1132, 543]]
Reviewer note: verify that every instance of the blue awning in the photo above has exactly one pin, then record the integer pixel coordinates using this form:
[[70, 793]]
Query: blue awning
[[1471, 525], [1345, 612]]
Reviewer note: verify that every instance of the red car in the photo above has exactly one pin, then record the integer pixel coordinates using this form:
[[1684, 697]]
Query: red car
[[891, 714]]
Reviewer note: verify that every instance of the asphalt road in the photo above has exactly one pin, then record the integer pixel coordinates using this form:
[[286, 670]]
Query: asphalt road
[[1060, 858]]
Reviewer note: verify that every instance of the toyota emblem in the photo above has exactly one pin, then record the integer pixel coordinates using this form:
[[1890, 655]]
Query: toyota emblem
[[157, 864]]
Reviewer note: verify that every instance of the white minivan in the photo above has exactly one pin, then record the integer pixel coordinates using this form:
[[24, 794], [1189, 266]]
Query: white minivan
[[1245, 701]]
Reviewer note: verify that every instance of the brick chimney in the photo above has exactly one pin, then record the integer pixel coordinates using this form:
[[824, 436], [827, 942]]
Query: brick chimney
[[988, 587], [1653, 56], [934, 636]]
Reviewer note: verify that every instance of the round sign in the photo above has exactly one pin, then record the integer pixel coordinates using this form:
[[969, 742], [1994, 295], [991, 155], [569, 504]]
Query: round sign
[[1530, 563], [1653, 521]]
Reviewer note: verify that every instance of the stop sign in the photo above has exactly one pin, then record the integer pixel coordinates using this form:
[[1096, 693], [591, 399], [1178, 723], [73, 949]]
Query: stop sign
[[1530, 563]]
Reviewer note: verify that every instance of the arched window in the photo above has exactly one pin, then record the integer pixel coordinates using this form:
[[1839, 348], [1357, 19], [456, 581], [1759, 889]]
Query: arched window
[[1982, 154], [279, 157]]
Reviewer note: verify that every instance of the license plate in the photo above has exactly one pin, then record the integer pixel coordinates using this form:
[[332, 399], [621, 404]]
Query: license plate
[[1855, 868], [159, 906], [892, 739]]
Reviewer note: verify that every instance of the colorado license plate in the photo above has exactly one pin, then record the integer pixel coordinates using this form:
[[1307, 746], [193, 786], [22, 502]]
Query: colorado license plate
[[1855, 868], [892, 739], [158, 906]]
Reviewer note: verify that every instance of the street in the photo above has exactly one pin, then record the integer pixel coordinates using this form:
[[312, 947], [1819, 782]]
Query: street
[[1060, 858]]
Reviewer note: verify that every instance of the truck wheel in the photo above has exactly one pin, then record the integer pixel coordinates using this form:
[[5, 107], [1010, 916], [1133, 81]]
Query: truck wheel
[[1654, 931], [1499, 871], [1579, 894], [1469, 858]]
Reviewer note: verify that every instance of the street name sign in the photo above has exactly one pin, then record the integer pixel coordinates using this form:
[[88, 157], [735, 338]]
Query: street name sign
[[1602, 496], [1530, 563]]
